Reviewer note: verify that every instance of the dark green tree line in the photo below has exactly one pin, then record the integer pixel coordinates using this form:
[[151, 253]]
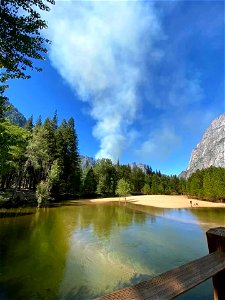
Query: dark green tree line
[[207, 184], [103, 180], [43, 157]]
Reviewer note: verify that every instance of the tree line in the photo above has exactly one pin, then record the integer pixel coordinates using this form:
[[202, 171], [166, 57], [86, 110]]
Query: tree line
[[207, 184], [108, 179], [44, 158]]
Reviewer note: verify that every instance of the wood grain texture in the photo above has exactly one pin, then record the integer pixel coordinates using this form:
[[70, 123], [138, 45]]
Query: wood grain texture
[[174, 282], [216, 242]]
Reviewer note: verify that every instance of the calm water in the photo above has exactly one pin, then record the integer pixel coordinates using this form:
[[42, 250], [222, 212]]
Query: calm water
[[83, 251]]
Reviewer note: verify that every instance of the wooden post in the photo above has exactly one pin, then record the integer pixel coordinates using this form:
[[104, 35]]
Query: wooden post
[[216, 242]]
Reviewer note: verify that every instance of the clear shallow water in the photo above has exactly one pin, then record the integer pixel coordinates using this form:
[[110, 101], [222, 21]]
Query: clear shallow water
[[84, 251]]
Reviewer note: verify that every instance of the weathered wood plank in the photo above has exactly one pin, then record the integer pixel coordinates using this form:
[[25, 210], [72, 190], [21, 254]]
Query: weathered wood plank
[[216, 242], [174, 282]]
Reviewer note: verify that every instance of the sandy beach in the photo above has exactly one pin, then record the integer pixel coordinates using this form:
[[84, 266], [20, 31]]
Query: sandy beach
[[165, 201]]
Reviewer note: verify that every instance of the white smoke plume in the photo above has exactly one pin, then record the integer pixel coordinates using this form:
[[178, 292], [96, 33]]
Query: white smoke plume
[[99, 48]]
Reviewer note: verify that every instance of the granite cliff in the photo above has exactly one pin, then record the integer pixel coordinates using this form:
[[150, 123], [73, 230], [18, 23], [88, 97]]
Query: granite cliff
[[211, 149]]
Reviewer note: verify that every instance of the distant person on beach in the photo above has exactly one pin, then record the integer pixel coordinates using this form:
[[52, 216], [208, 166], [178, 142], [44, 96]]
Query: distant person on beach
[[191, 203]]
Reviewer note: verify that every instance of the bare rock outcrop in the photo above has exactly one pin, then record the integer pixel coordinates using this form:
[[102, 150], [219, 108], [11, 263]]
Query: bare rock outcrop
[[211, 149]]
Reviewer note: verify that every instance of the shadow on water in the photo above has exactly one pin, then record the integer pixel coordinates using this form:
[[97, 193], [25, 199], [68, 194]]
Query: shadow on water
[[7, 214], [84, 292]]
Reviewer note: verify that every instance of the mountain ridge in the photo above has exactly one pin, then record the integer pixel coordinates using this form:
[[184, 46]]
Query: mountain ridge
[[14, 115], [210, 151]]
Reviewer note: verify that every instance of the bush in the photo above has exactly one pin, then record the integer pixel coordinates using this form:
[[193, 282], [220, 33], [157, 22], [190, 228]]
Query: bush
[[42, 193]]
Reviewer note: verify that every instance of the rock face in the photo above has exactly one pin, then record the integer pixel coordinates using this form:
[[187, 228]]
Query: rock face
[[86, 161], [211, 149], [14, 115]]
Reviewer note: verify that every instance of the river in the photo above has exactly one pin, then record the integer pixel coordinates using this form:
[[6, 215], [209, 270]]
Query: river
[[83, 251]]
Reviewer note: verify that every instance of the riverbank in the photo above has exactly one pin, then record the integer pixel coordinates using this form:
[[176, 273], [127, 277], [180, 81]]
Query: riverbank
[[163, 201]]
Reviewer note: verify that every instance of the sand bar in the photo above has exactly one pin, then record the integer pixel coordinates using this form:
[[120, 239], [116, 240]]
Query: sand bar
[[165, 201]]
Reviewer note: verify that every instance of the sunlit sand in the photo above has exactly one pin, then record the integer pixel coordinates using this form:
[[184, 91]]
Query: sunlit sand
[[165, 201]]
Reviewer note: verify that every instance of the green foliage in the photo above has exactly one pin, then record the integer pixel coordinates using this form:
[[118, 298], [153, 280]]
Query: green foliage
[[54, 173], [28, 125], [146, 189], [45, 154], [105, 173], [123, 188], [155, 187], [146, 181], [137, 180], [89, 182], [67, 152], [20, 37], [208, 184], [44, 187], [42, 193], [123, 171], [38, 151], [182, 187], [13, 142], [195, 184]]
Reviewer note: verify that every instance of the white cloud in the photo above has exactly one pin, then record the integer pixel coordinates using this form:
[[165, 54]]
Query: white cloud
[[99, 49]]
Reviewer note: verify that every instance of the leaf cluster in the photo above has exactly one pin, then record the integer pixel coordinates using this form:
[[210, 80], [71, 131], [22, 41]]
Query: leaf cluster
[[20, 39]]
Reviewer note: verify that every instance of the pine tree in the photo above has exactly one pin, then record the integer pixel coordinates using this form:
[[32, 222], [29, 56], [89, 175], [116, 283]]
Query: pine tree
[[89, 182], [50, 131], [38, 122], [67, 152]]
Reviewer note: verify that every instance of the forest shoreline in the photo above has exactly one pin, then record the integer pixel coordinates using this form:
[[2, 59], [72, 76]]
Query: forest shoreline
[[162, 201]]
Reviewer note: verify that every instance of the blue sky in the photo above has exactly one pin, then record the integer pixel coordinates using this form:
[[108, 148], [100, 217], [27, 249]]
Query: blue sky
[[142, 79]]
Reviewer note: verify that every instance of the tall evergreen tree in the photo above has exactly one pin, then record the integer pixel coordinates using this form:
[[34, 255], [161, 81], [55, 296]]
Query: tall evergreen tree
[[67, 148], [50, 131], [38, 122], [89, 182]]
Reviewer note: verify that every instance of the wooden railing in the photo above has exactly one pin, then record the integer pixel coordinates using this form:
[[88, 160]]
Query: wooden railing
[[181, 279]]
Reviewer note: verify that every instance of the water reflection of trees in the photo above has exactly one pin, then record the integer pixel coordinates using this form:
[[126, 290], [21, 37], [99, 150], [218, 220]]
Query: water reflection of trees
[[105, 218], [209, 217], [33, 252], [34, 248], [151, 211]]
